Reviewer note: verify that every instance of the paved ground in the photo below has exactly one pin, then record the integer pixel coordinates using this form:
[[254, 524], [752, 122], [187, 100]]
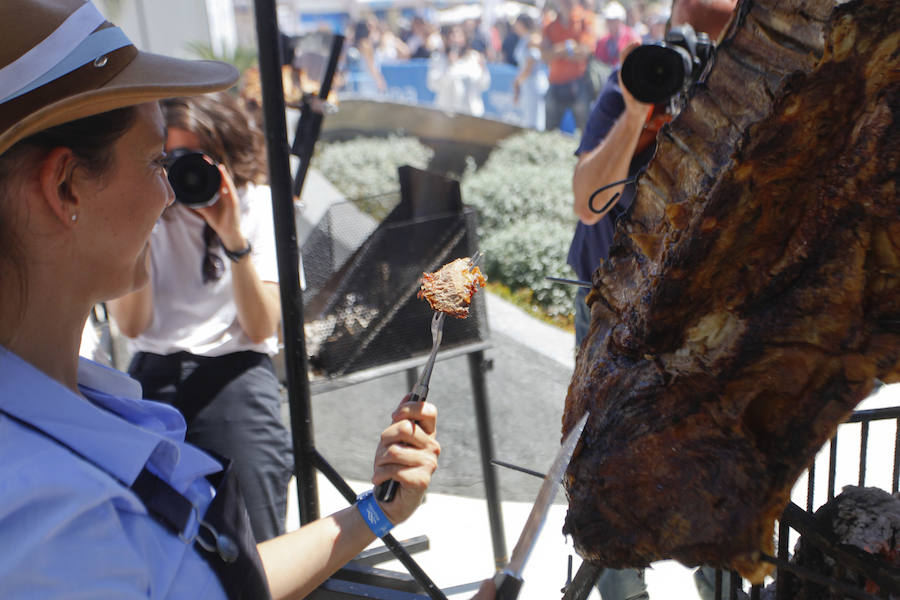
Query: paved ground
[[526, 390]]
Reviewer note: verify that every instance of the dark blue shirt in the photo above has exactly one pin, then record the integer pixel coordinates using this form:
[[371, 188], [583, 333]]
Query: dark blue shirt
[[591, 243]]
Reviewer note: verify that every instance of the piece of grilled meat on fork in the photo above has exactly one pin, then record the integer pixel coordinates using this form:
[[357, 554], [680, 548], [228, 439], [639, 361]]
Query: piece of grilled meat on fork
[[450, 288]]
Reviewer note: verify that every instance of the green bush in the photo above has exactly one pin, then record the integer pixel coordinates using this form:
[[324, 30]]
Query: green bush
[[527, 175], [553, 149], [523, 255], [366, 167], [523, 194]]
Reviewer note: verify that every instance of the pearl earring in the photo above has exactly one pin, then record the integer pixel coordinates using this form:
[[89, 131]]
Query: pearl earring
[[74, 217]]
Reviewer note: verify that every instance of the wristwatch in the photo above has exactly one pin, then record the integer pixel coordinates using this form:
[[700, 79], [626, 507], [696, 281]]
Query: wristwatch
[[239, 254]]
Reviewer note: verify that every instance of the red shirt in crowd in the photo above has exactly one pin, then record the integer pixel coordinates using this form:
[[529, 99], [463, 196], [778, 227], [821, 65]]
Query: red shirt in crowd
[[580, 29]]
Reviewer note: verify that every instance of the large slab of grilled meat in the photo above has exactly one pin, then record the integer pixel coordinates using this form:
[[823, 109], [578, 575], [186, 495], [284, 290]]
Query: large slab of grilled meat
[[751, 297]]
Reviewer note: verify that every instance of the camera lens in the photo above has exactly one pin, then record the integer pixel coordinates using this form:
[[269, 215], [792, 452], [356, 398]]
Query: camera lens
[[194, 178], [653, 73]]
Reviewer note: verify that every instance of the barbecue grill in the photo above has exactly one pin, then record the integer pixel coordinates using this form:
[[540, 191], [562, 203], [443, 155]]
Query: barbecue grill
[[363, 263], [362, 276]]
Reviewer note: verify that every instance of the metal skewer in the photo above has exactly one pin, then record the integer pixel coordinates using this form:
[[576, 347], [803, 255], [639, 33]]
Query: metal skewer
[[577, 282]]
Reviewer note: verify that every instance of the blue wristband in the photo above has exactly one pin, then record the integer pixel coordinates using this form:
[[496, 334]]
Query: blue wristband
[[372, 514]]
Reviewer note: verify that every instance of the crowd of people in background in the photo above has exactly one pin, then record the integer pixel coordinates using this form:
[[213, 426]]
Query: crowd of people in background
[[556, 52]]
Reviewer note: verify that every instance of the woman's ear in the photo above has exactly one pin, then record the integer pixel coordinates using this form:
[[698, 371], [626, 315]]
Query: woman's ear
[[55, 179]]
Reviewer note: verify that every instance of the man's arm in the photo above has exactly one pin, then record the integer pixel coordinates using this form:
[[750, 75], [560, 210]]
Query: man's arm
[[606, 163], [609, 160]]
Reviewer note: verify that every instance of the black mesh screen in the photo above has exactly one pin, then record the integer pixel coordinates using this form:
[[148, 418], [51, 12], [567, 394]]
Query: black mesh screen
[[360, 305]]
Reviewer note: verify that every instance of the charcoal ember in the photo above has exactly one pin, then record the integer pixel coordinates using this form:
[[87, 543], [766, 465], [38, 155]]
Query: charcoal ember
[[750, 300], [862, 517]]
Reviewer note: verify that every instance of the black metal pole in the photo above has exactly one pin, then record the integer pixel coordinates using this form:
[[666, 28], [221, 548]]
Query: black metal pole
[[267, 34], [310, 124], [781, 591], [477, 366], [586, 578]]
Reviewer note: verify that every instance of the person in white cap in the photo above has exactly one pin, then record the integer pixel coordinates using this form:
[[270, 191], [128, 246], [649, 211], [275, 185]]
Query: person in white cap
[[619, 35], [101, 497]]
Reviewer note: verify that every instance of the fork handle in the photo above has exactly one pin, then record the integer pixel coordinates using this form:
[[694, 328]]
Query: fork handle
[[386, 490], [419, 393]]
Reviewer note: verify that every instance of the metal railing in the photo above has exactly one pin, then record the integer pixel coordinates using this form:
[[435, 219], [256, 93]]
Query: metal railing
[[861, 423]]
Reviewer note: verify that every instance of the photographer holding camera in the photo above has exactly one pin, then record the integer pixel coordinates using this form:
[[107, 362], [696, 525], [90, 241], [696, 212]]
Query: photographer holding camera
[[618, 141], [205, 327]]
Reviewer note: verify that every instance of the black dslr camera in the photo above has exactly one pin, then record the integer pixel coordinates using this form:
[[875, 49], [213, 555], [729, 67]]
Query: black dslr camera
[[654, 73], [194, 177]]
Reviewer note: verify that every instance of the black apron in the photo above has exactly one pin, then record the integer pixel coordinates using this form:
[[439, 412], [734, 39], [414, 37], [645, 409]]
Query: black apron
[[224, 540]]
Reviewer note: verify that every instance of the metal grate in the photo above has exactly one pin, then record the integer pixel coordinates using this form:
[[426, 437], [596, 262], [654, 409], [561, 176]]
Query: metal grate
[[362, 276], [859, 425]]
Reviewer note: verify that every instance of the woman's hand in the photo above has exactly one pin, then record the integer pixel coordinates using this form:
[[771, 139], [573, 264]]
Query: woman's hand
[[408, 454], [225, 215]]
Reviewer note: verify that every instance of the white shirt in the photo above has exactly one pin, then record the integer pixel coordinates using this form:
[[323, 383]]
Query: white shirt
[[458, 86], [68, 527], [197, 317]]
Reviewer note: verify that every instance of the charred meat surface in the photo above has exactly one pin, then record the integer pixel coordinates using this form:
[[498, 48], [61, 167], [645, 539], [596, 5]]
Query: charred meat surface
[[450, 289], [752, 295]]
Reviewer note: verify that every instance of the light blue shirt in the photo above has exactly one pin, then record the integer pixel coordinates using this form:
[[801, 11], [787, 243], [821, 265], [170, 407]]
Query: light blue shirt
[[71, 529]]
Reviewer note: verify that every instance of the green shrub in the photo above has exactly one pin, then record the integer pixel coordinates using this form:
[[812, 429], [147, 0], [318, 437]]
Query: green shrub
[[523, 194], [553, 149], [518, 191], [366, 167], [523, 255], [527, 175]]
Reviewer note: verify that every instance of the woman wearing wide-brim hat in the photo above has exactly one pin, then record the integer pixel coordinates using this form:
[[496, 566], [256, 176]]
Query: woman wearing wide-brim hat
[[99, 494]]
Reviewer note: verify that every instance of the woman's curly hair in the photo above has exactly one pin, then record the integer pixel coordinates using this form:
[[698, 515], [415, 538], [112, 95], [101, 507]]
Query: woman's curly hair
[[227, 132]]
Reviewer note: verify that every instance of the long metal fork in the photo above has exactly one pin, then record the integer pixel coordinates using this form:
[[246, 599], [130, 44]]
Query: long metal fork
[[386, 491], [420, 390]]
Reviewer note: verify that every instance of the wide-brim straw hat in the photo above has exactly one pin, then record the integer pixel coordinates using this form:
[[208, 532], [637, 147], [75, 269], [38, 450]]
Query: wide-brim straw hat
[[61, 60]]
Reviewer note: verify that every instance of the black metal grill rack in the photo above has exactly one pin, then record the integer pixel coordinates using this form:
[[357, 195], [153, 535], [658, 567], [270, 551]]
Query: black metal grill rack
[[362, 310]]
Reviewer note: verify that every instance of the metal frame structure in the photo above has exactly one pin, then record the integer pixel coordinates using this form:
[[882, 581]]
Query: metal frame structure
[[360, 579]]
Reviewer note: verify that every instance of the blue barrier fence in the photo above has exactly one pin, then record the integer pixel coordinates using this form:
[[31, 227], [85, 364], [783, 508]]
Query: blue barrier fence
[[407, 83]]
